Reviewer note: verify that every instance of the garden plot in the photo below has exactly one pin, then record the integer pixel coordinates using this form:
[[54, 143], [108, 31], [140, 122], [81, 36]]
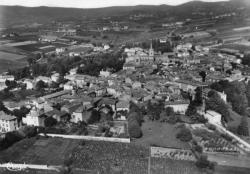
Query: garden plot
[[108, 158], [212, 141], [174, 154]]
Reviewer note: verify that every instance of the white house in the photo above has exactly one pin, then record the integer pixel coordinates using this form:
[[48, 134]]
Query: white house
[[178, 106], [223, 96], [212, 117], [29, 84], [3, 78], [44, 79], [55, 77], [73, 71], [8, 123], [128, 66], [2, 86], [105, 73], [34, 118], [69, 86], [81, 114], [60, 50], [106, 47], [136, 85], [121, 108]]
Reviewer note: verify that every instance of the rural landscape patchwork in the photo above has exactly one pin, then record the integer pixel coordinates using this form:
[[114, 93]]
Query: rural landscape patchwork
[[151, 88]]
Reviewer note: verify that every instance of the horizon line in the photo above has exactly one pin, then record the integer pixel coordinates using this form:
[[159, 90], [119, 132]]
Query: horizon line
[[165, 4]]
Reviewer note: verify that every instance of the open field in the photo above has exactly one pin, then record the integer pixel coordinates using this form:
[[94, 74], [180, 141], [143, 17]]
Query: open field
[[240, 47], [167, 166], [10, 56], [230, 160], [230, 170], [107, 157], [160, 134], [37, 46], [42, 151], [9, 64]]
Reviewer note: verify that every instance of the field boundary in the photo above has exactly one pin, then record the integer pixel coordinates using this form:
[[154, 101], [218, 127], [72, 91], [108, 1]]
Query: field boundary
[[89, 138]]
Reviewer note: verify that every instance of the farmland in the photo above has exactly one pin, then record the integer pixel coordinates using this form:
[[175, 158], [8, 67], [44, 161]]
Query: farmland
[[10, 56], [108, 157], [242, 48], [37, 46], [39, 151], [167, 166], [11, 61]]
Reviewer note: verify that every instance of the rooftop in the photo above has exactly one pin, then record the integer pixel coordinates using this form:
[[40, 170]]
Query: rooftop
[[4, 116]]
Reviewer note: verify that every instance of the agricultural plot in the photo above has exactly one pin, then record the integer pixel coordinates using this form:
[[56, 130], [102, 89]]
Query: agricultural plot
[[237, 46], [174, 154], [38, 46], [213, 142], [160, 135], [108, 158], [10, 56], [11, 61], [42, 151], [168, 166]]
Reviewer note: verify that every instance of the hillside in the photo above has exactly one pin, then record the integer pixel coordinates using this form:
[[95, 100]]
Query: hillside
[[13, 15]]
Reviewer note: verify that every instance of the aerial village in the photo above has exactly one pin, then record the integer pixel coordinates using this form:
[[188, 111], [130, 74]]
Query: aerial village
[[188, 104]]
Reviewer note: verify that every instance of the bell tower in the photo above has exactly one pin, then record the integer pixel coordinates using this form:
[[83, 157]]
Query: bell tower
[[151, 50]]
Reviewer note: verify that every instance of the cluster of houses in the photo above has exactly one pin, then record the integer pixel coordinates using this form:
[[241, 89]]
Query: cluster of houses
[[146, 76]]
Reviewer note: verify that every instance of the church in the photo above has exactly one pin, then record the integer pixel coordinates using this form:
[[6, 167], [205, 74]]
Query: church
[[142, 58]]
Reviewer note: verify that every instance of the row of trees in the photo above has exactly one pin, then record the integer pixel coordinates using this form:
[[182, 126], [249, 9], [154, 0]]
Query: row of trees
[[19, 113], [215, 103], [238, 94], [94, 65], [135, 119]]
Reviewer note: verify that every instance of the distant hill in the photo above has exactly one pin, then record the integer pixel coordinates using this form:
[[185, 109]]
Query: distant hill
[[24, 15]]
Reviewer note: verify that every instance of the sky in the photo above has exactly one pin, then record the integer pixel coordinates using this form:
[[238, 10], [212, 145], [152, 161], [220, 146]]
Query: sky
[[92, 3]]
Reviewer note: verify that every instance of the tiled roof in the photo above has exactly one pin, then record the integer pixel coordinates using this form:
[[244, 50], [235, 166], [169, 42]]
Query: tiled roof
[[4, 116]]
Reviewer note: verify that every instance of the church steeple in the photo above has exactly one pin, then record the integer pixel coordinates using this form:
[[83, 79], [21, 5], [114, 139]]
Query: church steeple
[[151, 50]]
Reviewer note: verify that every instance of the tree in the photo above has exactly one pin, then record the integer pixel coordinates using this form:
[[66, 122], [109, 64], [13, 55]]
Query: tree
[[95, 117], [54, 85], [169, 111], [40, 85], [246, 60], [30, 131], [135, 112], [236, 94], [248, 92], [31, 61], [191, 110], [20, 113], [38, 56], [197, 118], [154, 110], [203, 75], [198, 96], [203, 162], [134, 128], [214, 102], [11, 84], [243, 127], [184, 135], [49, 122]]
